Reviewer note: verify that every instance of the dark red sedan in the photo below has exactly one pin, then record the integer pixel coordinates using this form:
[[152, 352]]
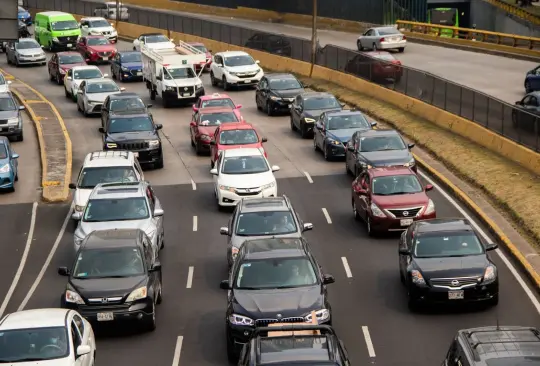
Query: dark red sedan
[[204, 123], [61, 62], [96, 49], [390, 199]]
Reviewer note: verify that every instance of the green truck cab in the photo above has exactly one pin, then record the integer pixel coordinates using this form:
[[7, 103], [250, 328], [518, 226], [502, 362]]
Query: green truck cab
[[56, 30]]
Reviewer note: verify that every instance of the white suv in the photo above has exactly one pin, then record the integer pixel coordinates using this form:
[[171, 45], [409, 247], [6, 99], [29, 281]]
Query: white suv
[[235, 68], [108, 10], [97, 26], [103, 167]]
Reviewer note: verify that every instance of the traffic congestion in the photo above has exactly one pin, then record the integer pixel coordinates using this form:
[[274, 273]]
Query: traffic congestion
[[140, 107]]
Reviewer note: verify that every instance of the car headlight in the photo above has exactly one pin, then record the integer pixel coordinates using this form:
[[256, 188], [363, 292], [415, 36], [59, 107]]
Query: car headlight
[[490, 273], [55, 39], [199, 86], [234, 252], [111, 145], [322, 315], [138, 294], [153, 143], [93, 102], [226, 188], [411, 163], [73, 297], [236, 319], [333, 142], [376, 211], [79, 208], [205, 138], [170, 88], [274, 98], [232, 73], [124, 69], [13, 120], [430, 208], [269, 185], [309, 120], [417, 277], [5, 169]]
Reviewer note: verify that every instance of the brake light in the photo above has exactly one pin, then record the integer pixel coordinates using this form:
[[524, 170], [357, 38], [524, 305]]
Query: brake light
[[403, 38], [396, 62], [382, 40]]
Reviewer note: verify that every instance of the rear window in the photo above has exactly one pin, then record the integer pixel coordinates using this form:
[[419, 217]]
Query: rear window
[[388, 32], [514, 361], [280, 349]]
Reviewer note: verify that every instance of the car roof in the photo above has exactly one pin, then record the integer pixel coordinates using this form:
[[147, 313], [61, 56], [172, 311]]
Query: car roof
[[27, 40], [109, 158], [117, 238], [236, 126], [390, 171], [112, 190], [242, 152], [100, 81], [343, 112], [35, 318], [387, 27], [446, 225], [273, 248], [215, 96], [368, 133], [317, 94], [234, 53], [209, 110], [264, 204], [280, 75], [53, 13], [124, 95]]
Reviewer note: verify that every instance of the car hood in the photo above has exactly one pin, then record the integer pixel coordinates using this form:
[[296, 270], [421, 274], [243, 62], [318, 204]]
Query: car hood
[[86, 228], [181, 82], [246, 180], [237, 240], [260, 304], [9, 114], [387, 158], [246, 68], [81, 196], [30, 51], [99, 97], [127, 136], [401, 200], [102, 29], [106, 287], [102, 48], [292, 93], [315, 113], [207, 130], [66, 67], [342, 135], [132, 65], [451, 267], [67, 361]]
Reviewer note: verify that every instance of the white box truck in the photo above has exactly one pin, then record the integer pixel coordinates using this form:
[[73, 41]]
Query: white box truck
[[171, 75]]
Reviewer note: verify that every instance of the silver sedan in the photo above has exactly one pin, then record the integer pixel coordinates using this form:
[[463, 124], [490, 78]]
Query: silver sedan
[[382, 38]]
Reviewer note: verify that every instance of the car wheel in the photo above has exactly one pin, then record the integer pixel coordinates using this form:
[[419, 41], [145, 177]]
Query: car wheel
[[198, 150], [528, 86], [355, 210], [213, 80], [368, 227], [374, 47], [401, 49], [159, 164], [152, 94], [150, 321], [494, 301], [293, 127], [20, 138], [113, 75], [66, 93], [269, 111], [74, 97], [303, 131], [160, 295], [359, 46], [225, 83], [412, 303]]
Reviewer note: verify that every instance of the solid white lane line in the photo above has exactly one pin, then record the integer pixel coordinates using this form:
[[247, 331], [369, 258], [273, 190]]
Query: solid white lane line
[[48, 260], [190, 277], [18, 274], [195, 223], [346, 266], [513, 270], [326, 215], [193, 185], [308, 177], [177, 351], [369, 343]]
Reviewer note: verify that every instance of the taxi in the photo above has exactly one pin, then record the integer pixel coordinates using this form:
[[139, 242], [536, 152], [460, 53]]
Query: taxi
[[233, 136], [217, 100]]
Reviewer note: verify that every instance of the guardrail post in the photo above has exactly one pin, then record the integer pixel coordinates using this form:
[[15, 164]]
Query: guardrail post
[[445, 93], [473, 105]]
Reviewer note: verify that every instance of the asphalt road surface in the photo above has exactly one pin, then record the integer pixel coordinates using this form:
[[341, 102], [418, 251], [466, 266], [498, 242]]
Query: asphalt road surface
[[367, 292]]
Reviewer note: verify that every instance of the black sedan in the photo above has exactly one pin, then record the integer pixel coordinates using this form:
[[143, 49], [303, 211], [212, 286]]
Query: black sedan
[[308, 107], [527, 113], [276, 92], [334, 129], [377, 148], [446, 261]]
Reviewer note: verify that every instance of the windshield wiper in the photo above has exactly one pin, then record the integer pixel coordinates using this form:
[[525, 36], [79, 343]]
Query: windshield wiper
[[394, 193], [27, 359], [248, 288]]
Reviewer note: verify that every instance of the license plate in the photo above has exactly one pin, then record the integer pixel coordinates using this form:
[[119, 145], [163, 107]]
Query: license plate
[[406, 222], [186, 94], [69, 45], [455, 295], [105, 317], [136, 154], [247, 81], [105, 59], [139, 74]]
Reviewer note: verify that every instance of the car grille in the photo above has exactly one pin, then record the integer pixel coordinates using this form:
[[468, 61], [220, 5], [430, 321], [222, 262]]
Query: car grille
[[245, 75], [447, 282], [5, 181], [405, 212], [3, 121], [104, 54], [106, 33], [186, 89], [97, 108], [248, 191], [133, 145], [265, 322], [134, 72], [103, 308], [67, 39]]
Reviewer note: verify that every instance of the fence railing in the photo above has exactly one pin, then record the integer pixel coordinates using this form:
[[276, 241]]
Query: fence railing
[[498, 116]]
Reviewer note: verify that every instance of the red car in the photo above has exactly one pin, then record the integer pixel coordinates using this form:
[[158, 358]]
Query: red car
[[235, 135], [218, 100], [96, 48], [201, 47], [391, 199], [61, 62], [375, 66], [204, 124]]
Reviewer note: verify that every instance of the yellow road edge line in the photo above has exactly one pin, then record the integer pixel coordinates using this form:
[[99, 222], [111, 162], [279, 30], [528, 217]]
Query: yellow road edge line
[[34, 101]]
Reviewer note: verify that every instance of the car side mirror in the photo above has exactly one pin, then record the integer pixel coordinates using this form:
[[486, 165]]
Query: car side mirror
[[213, 143], [159, 126], [275, 168], [373, 124], [158, 212], [319, 127], [101, 130], [63, 271], [264, 139], [79, 91], [22, 108], [308, 226], [156, 267], [410, 146], [360, 190], [149, 106], [350, 148], [491, 246], [42, 46], [342, 105], [195, 109], [429, 187], [224, 231], [122, 89], [72, 186], [328, 279], [105, 75], [257, 62], [404, 251], [15, 156], [214, 171], [83, 349], [239, 106], [224, 285]]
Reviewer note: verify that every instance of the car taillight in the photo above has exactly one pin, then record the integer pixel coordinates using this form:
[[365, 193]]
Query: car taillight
[[396, 62], [382, 40], [403, 38]]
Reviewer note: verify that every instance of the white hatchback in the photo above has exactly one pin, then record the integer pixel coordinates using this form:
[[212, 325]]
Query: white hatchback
[[243, 173]]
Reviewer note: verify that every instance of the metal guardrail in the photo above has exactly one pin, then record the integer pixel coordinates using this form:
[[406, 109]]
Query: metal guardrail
[[516, 10], [494, 114]]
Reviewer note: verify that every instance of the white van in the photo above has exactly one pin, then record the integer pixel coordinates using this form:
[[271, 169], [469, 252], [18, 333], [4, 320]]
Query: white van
[[108, 11]]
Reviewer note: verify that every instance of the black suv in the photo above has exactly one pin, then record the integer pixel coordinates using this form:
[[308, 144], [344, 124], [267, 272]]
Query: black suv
[[273, 280], [115, 277], [494, 346], [134, 132], [292, 344], [122, 103], [446, 261]]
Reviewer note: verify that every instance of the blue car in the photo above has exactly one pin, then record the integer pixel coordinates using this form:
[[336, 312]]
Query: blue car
[[532, 80], [334, 129], [24, 16], [127, 66], [8, 165]]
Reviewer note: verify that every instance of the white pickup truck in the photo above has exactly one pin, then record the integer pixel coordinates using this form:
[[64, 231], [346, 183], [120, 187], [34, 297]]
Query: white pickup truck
[[171, 75]]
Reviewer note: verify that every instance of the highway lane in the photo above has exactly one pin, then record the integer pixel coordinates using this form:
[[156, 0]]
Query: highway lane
[[373, 297]]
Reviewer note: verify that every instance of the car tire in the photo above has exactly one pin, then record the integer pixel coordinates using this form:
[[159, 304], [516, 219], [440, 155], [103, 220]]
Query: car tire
[[20, 137], [269, 110], [293, 127], [17, 177], [327, 157], [159, 299], [213, 80], [374, 46], [152, 94], [66, 93], [528, 87], [159, 164], [355, 211], [150, 321], [58, 80], [401, 49], [359, 46], [225, 83], [303, 131], [494, 301]]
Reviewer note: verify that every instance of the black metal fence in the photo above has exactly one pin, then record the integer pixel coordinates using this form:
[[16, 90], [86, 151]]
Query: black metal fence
[[500, 117]]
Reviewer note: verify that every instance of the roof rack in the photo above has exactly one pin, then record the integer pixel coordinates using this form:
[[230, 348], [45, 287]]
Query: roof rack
[[476, 344], [109, 154]]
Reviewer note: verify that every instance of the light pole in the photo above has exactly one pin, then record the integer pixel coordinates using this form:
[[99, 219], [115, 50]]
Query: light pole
[[117, 12], [314, 37]]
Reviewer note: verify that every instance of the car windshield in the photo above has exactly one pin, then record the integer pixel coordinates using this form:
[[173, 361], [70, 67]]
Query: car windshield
[[381, 143], [21, 10], [156, 39], [388, 31], [275, 273], [514, 361], [86, 74], [91, 177], [244, 165], [221, 102], [200, 48], [110, 262], [101, 23], [2, 79], [7, 104], [131, 124], [447, 244], [126, 104], [131, 57], [215, 119], [240, 60], [27, 45], [33, 344], [355, 121], [64, 25], [397, 184], [265, 223], [238, 137], [281, 350], [70, 59], [284, 84], [97, 41], [320, 102], [3, 151], [179, 73], [105, 87], [122, 209]]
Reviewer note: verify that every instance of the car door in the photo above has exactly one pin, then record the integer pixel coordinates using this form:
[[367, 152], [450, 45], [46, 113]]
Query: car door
[[159, 81], [52, 66], [105, 110], [156, 220], [87, 338], [76, 341], [81, 46], [218, 168], [139, 171], [82, 97], [405, 243], [14, 161], [218, 70], [296, 110], [364, 198], [534, 78], [68, 80], [366, 39], [530, 105], [151, 259]]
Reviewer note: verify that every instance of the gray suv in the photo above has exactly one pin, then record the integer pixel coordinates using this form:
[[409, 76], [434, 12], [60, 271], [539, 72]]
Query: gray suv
[[256, 218], [11, 120], [122, 206]]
